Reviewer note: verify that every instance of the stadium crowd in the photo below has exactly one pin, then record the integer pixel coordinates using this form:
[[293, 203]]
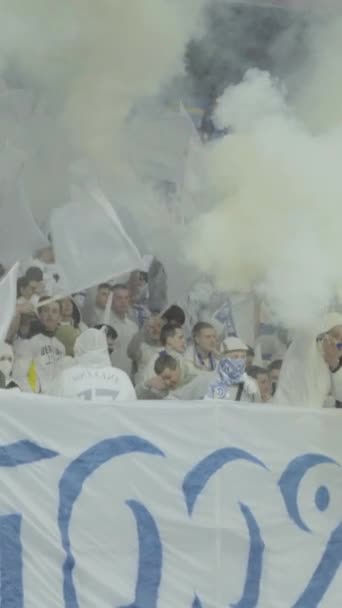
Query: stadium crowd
[[122, 341]]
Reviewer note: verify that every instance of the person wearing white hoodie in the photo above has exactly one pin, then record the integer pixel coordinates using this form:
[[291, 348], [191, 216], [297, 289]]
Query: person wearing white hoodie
[[42, 356], [311, 374], [92, 377]]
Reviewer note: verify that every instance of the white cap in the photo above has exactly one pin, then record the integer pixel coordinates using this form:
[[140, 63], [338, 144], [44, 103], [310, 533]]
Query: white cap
[[232, 344]]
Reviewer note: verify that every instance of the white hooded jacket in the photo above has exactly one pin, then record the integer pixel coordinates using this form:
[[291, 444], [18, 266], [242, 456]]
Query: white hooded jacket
[[305, 378], [92, 378]]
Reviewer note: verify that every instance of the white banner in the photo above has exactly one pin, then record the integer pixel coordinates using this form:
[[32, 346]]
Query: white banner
[[164, 505]]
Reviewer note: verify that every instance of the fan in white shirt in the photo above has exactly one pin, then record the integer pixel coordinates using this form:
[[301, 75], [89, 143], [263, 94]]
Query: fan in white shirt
[[92, 378]]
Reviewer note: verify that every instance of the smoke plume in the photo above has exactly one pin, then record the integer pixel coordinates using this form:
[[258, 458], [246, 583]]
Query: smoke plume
[[276, 184]]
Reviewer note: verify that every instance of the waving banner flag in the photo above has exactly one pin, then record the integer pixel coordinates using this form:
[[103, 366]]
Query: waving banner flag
[[91, 245], [162, 505], [225, 316], [20, 236], [8, 298]]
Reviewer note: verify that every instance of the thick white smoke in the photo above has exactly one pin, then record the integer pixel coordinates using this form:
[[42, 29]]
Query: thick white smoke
[[277, 185], [96, 59], [92, 62]]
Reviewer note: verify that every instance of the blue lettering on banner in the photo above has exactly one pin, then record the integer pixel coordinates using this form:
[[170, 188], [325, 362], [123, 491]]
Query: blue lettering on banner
[[324, 573], [23, 452], [70, 487], [332, 556], [150, 550], [196, 480], [150, 558], [251, 590], [11, 560], [193, 485], [291, 479]]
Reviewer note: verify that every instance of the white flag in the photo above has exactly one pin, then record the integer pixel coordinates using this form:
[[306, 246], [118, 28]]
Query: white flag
[[20, 236], [90, 244], [8, 298]]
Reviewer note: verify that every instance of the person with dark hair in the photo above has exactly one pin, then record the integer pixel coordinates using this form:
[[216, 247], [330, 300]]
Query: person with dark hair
[[111, 335], [274, 369], [24, 290], [167, 375], [172, 343], [203, 354], [172, 338], [71, 325], [262, 378], [126, 329], [167, 382], [39, 359], [174, 314], [35, 279]]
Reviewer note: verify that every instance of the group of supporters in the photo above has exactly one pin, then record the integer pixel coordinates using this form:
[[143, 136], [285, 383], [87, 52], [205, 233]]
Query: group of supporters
[[113, 342]]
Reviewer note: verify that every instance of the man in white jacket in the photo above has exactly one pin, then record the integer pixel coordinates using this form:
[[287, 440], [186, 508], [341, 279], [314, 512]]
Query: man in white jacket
[[92, 377], [311, 374], [43, 352]]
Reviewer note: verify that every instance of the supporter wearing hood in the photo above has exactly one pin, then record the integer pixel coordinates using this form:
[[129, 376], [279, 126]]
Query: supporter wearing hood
[[43, 355], [6, 365], [92, 376], [231, 382], [312, 367]]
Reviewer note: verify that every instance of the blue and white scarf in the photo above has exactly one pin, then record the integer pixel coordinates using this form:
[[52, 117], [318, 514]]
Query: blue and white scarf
[[229, 372]]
